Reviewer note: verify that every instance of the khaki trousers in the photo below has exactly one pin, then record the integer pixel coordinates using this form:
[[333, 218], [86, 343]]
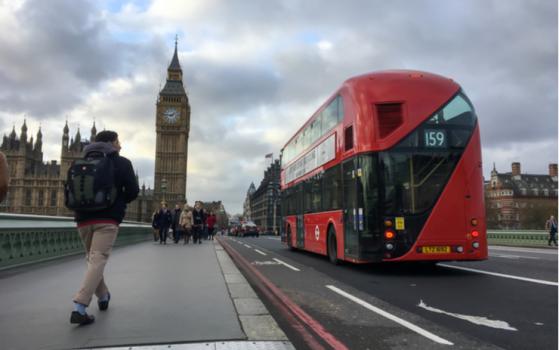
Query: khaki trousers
[[98, 240]]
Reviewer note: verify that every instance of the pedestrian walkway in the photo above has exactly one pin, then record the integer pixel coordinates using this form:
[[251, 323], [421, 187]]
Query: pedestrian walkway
[[161, 294]]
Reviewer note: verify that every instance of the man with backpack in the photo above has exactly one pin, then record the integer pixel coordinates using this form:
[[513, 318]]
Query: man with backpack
[[98, 188]]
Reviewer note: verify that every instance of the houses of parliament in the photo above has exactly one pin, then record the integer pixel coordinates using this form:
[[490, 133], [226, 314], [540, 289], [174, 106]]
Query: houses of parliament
[[36, 187]]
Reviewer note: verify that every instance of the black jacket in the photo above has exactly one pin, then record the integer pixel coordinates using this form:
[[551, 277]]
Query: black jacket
[[176, 217], [198, 217], [163, 219], [125, 180]]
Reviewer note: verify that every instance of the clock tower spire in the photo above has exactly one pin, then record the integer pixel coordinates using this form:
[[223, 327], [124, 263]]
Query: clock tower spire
[[172, 125]]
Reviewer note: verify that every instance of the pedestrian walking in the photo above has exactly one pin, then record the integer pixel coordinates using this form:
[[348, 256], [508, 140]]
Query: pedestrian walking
[[4, 177], [198, 222], [210, 222], [185, 222], [98, 221], [164, 220], [551, 227], [155, 225], [175, 223]]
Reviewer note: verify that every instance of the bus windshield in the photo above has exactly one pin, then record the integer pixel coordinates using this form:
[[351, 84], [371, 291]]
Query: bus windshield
[[416, 170]]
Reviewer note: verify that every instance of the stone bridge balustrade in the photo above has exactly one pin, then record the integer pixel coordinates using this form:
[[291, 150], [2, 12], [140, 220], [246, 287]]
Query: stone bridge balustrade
[[27, 239]]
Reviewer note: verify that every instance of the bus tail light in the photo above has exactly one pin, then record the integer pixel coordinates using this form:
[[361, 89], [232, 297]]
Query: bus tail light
[[388, 223], [475, 245], [475, 234], [389, 246], [389, 234], [473, 222], [459, 249]]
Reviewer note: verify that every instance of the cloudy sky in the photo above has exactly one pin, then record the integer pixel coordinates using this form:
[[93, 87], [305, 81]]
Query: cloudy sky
[[256, 70]]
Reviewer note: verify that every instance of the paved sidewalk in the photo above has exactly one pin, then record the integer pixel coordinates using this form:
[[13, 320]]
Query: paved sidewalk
[[161, 294]]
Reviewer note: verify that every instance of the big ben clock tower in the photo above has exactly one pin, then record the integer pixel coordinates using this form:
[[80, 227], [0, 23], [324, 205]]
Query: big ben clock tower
[[172, 124]]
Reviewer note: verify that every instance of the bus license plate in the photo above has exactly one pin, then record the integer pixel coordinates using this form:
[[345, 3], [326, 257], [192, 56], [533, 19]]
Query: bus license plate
[[436, 250]]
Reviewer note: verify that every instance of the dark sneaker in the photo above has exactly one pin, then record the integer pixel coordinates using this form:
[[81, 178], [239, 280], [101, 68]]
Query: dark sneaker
[[80, 319], [104, 304]]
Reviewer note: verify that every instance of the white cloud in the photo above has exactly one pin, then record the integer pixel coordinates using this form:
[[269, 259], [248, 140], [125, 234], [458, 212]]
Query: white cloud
[[255, 71]]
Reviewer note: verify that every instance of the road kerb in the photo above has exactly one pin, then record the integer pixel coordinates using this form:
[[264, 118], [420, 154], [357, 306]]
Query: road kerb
[[256, 321]]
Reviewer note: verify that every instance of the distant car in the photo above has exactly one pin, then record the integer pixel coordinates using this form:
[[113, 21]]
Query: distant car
[[249, 229]]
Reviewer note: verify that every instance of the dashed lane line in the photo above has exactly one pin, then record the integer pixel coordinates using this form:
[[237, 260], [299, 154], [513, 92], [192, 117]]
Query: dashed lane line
[[391, 317], [246, 245], [525, 279], [260, 252]]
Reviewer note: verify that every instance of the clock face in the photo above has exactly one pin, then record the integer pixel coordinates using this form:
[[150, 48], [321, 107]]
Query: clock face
[[171, 115]]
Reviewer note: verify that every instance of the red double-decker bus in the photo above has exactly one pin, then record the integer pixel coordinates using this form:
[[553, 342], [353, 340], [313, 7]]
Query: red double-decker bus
[[387, 169]]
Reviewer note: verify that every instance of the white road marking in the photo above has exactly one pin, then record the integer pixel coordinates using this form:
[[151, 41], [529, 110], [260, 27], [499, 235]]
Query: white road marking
[[479, 320], [516, 257], [391, 317], [549, 283], [287, 265], [265, 263], [246, 245], [260, 252]]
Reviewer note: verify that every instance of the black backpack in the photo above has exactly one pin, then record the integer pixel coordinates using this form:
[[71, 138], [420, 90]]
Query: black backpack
[[90, 183]]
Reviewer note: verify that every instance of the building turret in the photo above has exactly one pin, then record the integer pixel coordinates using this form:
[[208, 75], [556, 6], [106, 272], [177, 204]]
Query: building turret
[[65, 137], [93, 133], [23, 136], [13, 133], [78, 137], [39, 142]]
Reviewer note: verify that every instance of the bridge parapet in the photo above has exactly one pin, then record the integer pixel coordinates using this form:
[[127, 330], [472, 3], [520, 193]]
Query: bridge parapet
[[26, 239], [527, 238]]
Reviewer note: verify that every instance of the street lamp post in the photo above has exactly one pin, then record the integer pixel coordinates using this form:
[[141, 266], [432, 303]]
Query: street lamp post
[[163, 188]]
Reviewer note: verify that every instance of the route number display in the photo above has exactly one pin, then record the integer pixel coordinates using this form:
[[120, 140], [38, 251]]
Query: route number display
[[435, 138]]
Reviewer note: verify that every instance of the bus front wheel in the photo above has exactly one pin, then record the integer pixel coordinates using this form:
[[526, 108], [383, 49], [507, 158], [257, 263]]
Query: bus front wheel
[[332, 247]]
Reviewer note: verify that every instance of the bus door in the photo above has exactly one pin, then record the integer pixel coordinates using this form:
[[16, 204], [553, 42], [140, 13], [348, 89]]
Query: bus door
[[300, 231], [351, 208]]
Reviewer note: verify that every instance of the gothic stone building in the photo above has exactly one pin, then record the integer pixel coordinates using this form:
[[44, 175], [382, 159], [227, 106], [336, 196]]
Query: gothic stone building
[[172, 125], [520, 201], [265, 204], [37, 187], [247, 214]]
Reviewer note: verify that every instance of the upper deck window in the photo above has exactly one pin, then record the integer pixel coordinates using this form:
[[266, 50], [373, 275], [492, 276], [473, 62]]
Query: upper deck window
[[459, 111], [327, 119]]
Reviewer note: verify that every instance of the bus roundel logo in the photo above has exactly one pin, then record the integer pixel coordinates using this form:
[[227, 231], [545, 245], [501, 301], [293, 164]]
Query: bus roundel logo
[[316, 232]]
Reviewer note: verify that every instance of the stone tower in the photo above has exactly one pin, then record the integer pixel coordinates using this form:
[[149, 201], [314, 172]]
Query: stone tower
[[172, 124]]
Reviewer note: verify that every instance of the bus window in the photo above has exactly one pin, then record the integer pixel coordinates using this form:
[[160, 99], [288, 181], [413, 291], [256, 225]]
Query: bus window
[[348, 138], [315, 130], [340, 108], [330, 116], [316, 193], [332, 189]]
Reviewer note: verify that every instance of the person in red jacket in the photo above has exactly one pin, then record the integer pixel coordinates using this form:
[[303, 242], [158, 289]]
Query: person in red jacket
[[210, 221]]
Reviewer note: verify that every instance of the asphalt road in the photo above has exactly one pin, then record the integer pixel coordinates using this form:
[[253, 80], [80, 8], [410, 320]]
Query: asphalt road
[[508, 301]]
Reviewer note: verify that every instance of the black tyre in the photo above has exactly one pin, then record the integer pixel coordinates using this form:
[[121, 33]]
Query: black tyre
[[332, 246]]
